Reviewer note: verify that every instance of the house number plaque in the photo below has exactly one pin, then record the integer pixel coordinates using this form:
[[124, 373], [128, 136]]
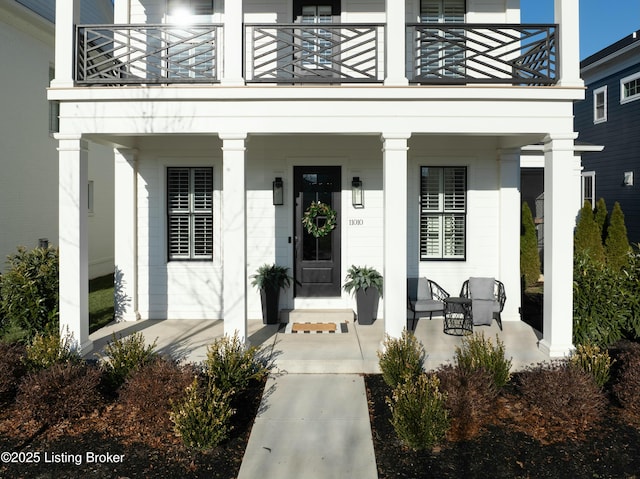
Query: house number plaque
[[356, 222]]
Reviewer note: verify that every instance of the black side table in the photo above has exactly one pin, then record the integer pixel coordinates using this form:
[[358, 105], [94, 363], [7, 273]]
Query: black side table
[[457, 316]]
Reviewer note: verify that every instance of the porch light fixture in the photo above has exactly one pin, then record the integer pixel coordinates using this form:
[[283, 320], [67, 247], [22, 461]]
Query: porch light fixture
[[357, 194], [278, 191]]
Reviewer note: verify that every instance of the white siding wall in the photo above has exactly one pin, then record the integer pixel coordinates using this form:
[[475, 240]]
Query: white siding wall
[[177, 289], [29, 156]]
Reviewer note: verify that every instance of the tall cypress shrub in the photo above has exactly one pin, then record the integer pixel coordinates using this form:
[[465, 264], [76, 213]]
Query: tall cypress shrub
[[529, 257], [600, 215], [587, 239], [617, 243]]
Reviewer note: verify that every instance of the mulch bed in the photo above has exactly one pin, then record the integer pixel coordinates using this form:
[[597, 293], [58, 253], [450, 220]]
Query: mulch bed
[[110, 431], [506, 447]]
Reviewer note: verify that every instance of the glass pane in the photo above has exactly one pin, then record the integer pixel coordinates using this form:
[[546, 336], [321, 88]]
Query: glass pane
[[316, 249]]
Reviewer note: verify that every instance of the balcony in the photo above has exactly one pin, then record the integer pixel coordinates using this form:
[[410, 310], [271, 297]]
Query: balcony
[[443, 54]]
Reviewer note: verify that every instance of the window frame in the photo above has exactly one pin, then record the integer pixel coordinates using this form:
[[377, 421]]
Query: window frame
[[442, 212], [600, 91], [584, 177], [191, 212], [628, 79]]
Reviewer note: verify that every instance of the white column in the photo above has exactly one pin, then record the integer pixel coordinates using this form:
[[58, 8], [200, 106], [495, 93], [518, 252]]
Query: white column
[[233, 39], [73, 240], [559, 222], [394, 160], [567, 16], [395, 43], [234, 227], [126, 236], [67, 15], [510, 206]]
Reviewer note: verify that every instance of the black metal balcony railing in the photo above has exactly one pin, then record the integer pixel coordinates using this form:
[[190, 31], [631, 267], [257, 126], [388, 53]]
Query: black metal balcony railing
[[147, 54], [326, 53], [482, 53], [320, 53]]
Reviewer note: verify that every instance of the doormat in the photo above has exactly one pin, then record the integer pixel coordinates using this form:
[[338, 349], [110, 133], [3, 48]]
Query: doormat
[[315, 328]]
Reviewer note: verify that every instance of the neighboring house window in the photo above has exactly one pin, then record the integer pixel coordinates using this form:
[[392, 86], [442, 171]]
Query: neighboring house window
[[54, 108], [630, 88], [600, 105], [190, 213], [443, 212], [588, 188]]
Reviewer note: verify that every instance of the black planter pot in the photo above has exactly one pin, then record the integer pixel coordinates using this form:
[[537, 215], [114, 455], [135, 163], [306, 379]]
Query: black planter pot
[[367, 305], [270, 298]]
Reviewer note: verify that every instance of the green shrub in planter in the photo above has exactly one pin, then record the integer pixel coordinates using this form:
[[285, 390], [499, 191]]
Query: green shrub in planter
[[367, 284], [270, 279], [202, 417], [402, 359], [480, 353], [418, 412]]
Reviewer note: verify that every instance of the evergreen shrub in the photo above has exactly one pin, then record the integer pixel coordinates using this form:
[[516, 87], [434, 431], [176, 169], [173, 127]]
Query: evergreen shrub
[[123, 356], [202, 417], [587, 238], [29, 291], [529, 255], [478, 352], [402, 359], [617, 243], [418, 412], [594, 361]]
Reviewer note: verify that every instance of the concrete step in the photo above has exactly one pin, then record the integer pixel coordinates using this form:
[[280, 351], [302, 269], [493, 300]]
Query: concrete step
[[317, 315]]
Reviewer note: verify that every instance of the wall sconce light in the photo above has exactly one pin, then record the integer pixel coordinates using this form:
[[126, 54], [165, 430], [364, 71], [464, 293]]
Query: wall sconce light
[[628, 178], [357, 194], [278, 191]]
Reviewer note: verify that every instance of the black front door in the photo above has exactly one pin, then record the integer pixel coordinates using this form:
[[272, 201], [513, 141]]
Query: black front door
[[317, 260]]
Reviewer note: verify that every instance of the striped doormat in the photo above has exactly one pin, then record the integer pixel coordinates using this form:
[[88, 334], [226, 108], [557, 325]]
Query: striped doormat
[[315, 328]]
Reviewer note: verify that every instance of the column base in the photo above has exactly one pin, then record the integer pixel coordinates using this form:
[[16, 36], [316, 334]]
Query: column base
[[555, 351]]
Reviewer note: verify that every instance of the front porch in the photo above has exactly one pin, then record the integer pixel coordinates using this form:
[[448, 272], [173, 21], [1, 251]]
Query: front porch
[[353, 352]]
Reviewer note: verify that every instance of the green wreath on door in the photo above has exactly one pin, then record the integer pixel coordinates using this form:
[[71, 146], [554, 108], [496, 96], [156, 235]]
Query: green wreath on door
[[315, 209]]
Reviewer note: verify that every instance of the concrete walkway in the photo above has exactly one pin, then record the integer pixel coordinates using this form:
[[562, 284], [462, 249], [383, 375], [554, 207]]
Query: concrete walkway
[[311, 426]]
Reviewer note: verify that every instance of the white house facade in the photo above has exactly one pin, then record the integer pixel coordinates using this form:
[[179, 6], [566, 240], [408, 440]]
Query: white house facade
[[29, 155], [216, 108]]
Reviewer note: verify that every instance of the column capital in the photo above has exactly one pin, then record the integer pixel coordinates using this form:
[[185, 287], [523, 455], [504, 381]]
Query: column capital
[[560, 141], [395, 141]]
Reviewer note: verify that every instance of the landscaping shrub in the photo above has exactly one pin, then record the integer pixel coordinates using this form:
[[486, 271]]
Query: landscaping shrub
[[626, 387], [594, 361], [147, 394], [201, 418], [418, 412], [587, 238], [29, 290], [617, 246], [606, 302], [529, 255], [600, 215], [231, 365], [12, 370], [563, 400], [47, 349], [123, 356], [63, 391], [402, 359], [469, 397], [480, 353]]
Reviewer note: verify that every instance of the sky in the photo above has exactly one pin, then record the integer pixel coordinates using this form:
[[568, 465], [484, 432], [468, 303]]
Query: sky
[[602, 22]]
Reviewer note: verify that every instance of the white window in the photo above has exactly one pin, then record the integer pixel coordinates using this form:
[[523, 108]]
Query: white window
[[443, 212], [447, 56], [192, 7], [630, 88], [600, 105], [190, 213], [316, 44], [588, 188]]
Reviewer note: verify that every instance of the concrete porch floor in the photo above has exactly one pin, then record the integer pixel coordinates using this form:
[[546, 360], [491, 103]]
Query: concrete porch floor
[[353, 352]]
